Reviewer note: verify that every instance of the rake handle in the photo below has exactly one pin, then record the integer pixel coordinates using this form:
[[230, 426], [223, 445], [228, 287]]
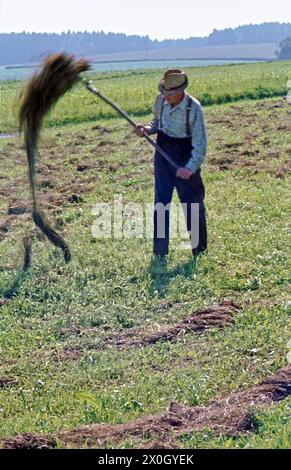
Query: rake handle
[[117, 108]]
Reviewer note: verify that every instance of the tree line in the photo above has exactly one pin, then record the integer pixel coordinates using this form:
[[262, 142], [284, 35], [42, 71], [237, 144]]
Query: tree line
[[16, 48]]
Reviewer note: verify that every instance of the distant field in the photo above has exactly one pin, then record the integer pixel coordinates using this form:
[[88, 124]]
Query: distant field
[[238, 51], [136, 90], [22, 72]]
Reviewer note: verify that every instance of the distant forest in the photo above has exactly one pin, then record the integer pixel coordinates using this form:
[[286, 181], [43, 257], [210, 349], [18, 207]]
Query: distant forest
[[18, 48]]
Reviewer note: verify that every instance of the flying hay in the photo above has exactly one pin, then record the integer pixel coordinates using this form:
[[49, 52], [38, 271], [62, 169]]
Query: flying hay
[[58, 74]]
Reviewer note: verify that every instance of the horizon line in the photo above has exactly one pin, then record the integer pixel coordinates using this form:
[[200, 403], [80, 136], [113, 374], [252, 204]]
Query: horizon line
[[146, 36]]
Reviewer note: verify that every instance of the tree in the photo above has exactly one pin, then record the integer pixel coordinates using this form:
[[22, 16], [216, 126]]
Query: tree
[[284, 51]]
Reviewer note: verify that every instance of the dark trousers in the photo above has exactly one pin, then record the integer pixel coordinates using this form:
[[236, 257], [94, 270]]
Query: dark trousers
[[189, 191]]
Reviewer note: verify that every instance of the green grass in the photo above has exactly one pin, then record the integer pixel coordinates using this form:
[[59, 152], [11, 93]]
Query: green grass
[[135, 91], [109, 287]]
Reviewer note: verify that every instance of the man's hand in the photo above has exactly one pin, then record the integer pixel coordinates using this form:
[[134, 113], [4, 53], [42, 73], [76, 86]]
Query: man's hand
[[140, 130], [184, 173]]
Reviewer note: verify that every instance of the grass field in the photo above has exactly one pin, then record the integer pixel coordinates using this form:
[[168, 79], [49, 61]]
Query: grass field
[[61, 365], [135, 91]]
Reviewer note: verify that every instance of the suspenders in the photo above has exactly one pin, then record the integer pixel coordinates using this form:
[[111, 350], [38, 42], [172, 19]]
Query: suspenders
[[188, 110], [161, 113]]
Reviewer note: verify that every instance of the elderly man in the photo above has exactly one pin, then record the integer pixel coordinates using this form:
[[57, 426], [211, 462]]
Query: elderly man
[[179, 125]]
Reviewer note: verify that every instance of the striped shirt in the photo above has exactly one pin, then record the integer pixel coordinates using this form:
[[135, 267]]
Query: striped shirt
[[174, 124]]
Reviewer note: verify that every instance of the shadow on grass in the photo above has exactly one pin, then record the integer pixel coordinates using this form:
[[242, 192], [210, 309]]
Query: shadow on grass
[[21, 275], [161, 276]]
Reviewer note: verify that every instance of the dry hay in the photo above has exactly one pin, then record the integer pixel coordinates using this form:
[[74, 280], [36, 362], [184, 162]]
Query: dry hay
[[283, 171], [26, 251], [4, 227], [58, 74], [6, 381], [256, 151], [101, 129], [198, 322], [228, 416], [69, 354], [232, 145]]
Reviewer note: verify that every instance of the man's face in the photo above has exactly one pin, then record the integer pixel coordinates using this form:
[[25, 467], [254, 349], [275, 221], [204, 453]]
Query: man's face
[[175, 99]]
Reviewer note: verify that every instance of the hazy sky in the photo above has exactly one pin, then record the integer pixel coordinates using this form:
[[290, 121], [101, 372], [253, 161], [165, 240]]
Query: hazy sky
[[157, 18]]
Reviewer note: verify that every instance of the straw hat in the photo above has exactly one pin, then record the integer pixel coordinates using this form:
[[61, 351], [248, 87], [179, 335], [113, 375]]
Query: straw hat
[[173, 82]]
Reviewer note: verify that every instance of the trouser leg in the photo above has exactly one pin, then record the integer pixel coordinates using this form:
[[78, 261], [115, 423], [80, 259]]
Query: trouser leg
[[164, 186], [193, 191]]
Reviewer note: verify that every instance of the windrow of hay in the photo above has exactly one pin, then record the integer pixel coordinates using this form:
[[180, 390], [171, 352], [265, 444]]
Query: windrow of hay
[[200, 321], [228, 416]]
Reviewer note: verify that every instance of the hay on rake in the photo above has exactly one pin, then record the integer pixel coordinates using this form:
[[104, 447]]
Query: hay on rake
[[26, 253], [58, 74]]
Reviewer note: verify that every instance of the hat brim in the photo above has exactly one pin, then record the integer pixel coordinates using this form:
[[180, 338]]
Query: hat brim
[[172, 91]]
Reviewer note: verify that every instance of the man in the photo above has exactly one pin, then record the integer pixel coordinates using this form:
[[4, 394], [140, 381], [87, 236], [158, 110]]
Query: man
[[179, 125]]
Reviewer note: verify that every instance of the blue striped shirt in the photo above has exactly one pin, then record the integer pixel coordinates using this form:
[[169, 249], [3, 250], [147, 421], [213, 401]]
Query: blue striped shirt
[[174, 125]]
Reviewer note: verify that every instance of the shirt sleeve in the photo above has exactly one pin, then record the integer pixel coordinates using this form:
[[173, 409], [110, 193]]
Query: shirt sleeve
[[199, 141], [153, 125]]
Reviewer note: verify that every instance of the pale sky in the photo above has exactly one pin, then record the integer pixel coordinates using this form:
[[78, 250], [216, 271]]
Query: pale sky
[[157, 18]]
